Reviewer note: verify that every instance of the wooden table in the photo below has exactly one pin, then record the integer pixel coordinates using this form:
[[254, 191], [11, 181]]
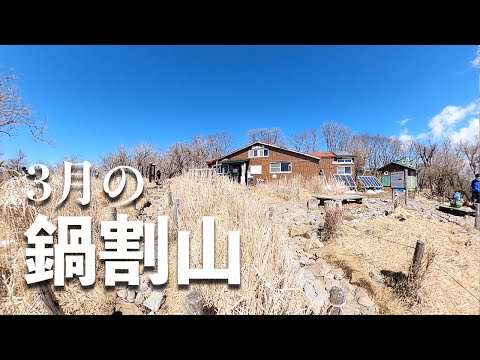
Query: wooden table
[[343, 198]]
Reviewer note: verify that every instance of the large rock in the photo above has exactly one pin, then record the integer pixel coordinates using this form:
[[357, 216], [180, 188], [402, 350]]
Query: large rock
[[155, 300], [329, 276], [321, 268], [330, 283], [319, 286], [128, 309], [345, 286], [131, 296], [122, 293], [338, 273], [376, 276], [309, 274], [309, 290], [143, 287], [320, 301], [139, 298]]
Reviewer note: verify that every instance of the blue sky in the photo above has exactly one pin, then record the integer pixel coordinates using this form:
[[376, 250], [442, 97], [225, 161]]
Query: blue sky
[[97, 97]]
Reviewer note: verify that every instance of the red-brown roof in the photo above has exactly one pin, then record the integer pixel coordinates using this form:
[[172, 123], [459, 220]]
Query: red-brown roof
[[327, 154], [263, 143]]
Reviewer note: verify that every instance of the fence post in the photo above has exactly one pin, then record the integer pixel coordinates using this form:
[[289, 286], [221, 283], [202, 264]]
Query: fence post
[[417, 258], [337, 300], [406, 187], [175, 213], [394, 199], [169, 195], [113, 214], [477, 215], [194, 303], [150, 172]]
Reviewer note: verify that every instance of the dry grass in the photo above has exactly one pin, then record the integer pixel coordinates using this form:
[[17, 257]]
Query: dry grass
[[439, 293], [409, 286], [296, 189], [286, 188], [16, 215], [333, 220], [321, 186], [269, 281]]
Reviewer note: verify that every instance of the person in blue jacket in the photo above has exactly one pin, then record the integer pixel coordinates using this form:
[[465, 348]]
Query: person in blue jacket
[[475, 189]]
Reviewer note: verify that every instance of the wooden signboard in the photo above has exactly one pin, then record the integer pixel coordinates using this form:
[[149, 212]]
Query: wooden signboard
[[397, 180]]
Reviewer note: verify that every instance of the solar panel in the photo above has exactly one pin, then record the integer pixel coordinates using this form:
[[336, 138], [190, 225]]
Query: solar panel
[[369, 181], [345, 179]]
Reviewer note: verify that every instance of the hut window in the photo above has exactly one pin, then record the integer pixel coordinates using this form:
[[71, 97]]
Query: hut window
[[344, 170], [257, 151], [280, 167]]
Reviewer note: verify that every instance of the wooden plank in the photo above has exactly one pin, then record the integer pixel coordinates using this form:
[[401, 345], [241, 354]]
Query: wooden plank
[[456, 211], [339, 197]]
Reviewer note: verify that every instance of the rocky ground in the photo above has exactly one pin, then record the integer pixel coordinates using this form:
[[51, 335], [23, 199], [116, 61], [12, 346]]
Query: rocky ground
[[144, 299], [319, 278]]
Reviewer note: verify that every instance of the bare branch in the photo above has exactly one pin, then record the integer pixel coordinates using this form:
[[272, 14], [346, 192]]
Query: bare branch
[[15, 113]]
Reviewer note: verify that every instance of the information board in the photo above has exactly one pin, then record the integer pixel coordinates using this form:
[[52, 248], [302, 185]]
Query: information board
[[397, 180]]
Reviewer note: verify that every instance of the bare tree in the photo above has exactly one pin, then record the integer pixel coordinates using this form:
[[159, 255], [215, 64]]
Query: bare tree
[[270, 136], [443, 169], [219, 143], [142, 155], [471, 150], [336, 136], [18, 161], [176, 160], [305, 141], [15, 113], [119, 158]]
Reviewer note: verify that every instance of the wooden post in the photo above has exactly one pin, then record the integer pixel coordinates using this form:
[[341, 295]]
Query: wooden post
[[337, 300], [169, 195], [175, 213], [394, 200], [477, 215], [47, 297], [417, 258], [194, 303], [113, 214], [150, 166], [406, 187]]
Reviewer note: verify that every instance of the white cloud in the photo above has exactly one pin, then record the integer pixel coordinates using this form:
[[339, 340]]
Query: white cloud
[[404, 121], [468, 133], [405, 138], [422, 136], [448, 117], [476, 61]]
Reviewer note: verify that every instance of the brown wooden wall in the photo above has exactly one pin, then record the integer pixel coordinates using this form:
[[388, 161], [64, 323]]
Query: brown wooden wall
[[302, 165]]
